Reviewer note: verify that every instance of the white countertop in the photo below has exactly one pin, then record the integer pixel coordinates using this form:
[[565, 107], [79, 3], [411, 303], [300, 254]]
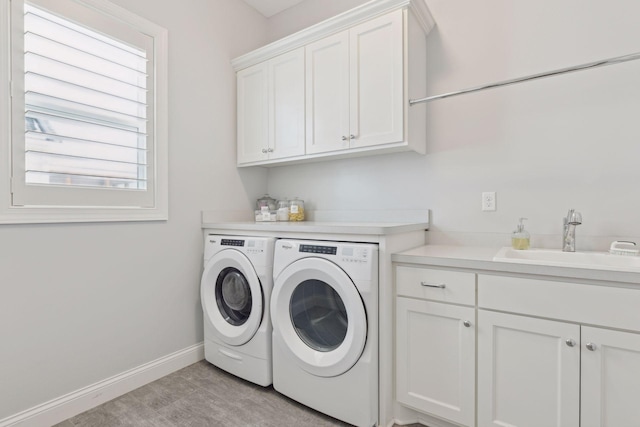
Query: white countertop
[[481, 259], [352, 228]]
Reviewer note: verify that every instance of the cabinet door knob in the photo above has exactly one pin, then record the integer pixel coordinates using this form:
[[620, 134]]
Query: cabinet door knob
[[264, 150], [269, 150], [591, 346], [352, 136], [433, 285], [467, 324], [344, 138], [570, 342]]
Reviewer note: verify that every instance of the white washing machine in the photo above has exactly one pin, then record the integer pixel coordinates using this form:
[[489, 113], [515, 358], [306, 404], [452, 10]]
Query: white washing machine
[[325, 327], [235, 291]]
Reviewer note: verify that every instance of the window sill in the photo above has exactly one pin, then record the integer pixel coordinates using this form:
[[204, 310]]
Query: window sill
[[47, 215]]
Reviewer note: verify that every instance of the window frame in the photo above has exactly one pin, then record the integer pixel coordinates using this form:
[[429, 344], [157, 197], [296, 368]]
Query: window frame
[[70, 211]]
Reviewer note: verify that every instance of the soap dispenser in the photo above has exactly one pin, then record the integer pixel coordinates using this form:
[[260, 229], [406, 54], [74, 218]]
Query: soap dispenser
[[520, 239]]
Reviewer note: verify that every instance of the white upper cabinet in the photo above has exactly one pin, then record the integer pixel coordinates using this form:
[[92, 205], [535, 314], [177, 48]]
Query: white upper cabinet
[[376, 82], [355, 87], [253, 113], [343, 91], [327, 96], [271, 109], [286, 105]]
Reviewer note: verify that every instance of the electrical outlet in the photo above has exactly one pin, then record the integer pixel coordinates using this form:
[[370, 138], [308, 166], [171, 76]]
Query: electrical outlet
[[489, 201]]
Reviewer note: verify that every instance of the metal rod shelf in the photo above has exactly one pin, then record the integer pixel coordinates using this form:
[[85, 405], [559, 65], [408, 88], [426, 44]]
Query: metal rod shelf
[[587, 66]]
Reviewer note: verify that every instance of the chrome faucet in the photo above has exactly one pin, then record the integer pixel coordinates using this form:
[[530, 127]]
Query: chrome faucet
[[569, 232]]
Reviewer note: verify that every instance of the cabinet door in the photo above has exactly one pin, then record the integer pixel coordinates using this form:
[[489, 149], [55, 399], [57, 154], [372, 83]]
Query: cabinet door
[[610, 378], [253, 113], [435, 359], [286, 105], [327, 94], [527, 374], [376, 88]]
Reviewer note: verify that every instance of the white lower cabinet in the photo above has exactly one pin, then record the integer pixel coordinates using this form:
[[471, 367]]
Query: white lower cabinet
[[610, 387], [543, 372], [528, 371], [435, 359], [435, 343], [547, 353]]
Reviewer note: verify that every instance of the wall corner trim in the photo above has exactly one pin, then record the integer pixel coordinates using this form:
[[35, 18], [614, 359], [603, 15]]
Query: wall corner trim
[[69, 405]]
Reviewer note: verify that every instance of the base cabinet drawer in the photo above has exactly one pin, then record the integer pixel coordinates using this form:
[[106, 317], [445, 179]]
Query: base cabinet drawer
[[435, 359], [439, 285]]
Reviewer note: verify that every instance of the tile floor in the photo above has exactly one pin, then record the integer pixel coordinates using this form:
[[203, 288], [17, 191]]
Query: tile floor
[[201, 395]]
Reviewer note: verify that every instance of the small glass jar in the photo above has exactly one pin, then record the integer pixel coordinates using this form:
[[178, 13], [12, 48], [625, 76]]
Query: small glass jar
[[266, 203], [283, 210], [296, 210]]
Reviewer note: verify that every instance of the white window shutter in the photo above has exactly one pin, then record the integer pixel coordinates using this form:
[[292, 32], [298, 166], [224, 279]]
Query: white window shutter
[[85, 107]]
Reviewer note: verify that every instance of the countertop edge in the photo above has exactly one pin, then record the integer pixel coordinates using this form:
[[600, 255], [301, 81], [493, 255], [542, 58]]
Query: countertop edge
[[320, 227], [478, 259]]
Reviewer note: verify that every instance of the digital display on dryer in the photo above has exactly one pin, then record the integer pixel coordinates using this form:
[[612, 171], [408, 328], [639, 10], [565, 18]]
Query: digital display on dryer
[[231, 242], [314, 249]]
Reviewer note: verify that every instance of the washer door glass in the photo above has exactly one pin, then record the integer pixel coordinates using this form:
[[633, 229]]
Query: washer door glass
[[233, 296], [318, 315]]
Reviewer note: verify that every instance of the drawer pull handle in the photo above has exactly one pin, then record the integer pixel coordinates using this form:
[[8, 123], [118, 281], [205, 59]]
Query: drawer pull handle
[[570, 342], [433, 285], [466, 324], [591, 346]]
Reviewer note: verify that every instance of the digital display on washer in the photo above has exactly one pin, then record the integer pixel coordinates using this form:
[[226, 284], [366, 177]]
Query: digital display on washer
[[231, 242], [327, 250]]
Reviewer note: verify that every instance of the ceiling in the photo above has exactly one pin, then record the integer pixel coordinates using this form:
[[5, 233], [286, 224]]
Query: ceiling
[[270, 7]]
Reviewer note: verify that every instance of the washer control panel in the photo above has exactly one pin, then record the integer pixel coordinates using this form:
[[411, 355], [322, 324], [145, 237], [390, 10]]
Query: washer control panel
[[317, 249], [357, 254], [358, 260], [349, 254]]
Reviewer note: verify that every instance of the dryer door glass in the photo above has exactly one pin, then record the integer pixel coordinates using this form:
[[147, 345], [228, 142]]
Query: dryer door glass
[[318, 315], [233, 296]]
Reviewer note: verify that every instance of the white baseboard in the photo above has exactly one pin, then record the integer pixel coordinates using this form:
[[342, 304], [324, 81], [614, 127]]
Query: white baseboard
[[67, 406]]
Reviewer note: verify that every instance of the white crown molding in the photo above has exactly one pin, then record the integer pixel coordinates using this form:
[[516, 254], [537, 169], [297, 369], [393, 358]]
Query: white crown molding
[[421, 11], [333, 25]]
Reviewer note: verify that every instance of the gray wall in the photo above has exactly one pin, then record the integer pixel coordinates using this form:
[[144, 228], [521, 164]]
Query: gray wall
[[80, 303], [547, 146]]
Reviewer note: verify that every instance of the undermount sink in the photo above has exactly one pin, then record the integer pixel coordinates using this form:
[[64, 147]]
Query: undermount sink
[[555, 257]]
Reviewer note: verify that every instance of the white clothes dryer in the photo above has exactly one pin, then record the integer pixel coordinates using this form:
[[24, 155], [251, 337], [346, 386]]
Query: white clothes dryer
[[235, 291], [325, 327]]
